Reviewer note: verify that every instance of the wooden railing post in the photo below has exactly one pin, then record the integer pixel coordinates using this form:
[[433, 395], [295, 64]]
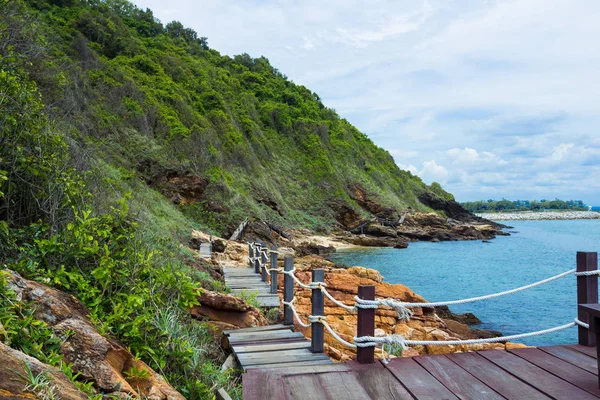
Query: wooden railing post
[[257, 258], [263, 262], [250, 254], [366, 325], [273, 269], [288, 290], [587, 293], [318, 308]]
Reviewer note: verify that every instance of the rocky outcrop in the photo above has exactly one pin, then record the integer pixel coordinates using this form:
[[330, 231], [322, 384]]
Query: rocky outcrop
[[425, 324], [224, 311], [15, 384], [97, 358], [309, 248], [454, 210]]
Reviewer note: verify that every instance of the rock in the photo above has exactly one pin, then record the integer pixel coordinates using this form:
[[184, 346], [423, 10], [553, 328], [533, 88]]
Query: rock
[[401, 245], [466, 318], [305, 248], [14, 382], [219, 245], [453, 210], [223, 301], [344, 214], [366, 273], [379, 231], [409, 352], [370, 241], [100, 360], [228, 309], [258, 231]]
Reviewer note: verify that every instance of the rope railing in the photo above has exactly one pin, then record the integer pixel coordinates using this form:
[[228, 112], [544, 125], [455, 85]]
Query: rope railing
[[363, 342]]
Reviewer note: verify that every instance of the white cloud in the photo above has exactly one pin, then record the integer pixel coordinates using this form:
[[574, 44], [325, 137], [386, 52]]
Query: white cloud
[[432, 172]]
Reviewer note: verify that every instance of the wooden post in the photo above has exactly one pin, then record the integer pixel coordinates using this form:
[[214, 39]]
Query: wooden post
[[318, 308], [263, 262], [288, 290], [250, 254], [366, 325], [587, 293], [257, 258], [273, 269]]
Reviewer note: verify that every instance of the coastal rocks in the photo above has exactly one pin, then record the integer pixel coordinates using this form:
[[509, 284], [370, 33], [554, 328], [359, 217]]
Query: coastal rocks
[[453, 210], [219, 309], [466, 318], [343, 284], [306, 248], [15, 383], [371, 241], [98, 359]]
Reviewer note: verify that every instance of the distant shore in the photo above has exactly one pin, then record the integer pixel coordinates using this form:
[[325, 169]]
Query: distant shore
[[540, 215]]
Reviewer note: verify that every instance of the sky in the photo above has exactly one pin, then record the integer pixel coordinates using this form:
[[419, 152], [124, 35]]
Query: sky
[[492, 99]]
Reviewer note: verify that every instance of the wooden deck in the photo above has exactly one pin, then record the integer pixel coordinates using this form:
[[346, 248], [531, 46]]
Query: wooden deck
[[273, 346], [555, 372], [246, 280]]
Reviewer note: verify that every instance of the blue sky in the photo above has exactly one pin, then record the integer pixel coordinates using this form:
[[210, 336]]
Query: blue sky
[[490, 98]]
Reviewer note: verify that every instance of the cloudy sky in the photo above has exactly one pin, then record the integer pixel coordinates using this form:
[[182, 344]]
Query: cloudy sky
[[491, 98]]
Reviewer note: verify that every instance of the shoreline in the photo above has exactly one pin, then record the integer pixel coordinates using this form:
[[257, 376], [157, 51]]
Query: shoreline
[[540, 216]]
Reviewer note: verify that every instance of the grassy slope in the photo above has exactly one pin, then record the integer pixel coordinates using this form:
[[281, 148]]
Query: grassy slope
[[139, 92]]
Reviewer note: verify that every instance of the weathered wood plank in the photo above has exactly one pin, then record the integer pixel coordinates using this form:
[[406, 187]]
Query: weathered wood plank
[[544, 381], [262, 336], [304, 344], [275, 357], [298, 364], [257, 329], [572, 356], [379, 382], [417, 380], [562, 369], [343, 385], [495, 377], [269, 302], [464, 385], [261, 385], [311, 369], [590, 351]]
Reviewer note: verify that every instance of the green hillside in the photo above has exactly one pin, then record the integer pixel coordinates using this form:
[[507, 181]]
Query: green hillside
[[119, 135]]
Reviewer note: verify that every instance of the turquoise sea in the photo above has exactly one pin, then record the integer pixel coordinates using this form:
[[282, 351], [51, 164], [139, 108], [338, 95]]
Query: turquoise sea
[[455, 270]]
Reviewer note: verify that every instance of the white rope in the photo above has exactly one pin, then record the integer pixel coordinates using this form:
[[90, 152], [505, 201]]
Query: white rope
[[312, 285], [587, 273], [322, 321], [337, 302], [404, 313], [290, 304]]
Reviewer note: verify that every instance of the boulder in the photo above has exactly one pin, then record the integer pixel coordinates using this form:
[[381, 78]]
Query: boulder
[[227, 309], [379, 231], [99, 359], [14, 379], [306, 248]]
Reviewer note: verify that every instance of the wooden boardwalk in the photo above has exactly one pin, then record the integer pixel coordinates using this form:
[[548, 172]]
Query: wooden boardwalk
[[555, 372], [273, 346], [245, 280]]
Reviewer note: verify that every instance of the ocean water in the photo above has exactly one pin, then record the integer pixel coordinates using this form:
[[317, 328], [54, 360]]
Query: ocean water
[[455, 270]]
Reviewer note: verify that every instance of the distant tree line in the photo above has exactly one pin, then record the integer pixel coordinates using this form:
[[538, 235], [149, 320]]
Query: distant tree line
[[523, 205]]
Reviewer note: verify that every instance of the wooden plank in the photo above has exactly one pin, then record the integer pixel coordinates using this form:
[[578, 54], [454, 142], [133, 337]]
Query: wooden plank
[[366, 325], [257, 329], [379, 382], [274, 357], [261, 385], [317, 331], [269, 302], [572, 356], [304, 344], [262, 336], [311, 369], [273, 341], [298, 364], [417, 380], [464, 385], [535, 376], [334, 385], [495, 377], [590, 351], [562, 369]]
